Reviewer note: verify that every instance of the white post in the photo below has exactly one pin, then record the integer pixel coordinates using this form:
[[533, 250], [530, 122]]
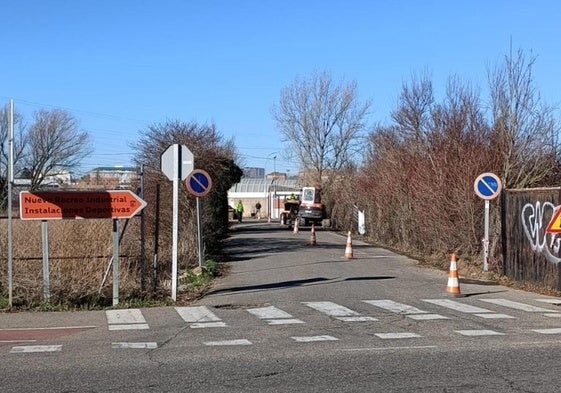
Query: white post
[[46, 278], [175, 218], [10, 182], [361, 223], [486, 238], [200, 231]]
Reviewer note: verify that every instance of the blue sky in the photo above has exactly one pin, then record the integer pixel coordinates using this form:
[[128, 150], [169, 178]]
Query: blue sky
[[119, 66]]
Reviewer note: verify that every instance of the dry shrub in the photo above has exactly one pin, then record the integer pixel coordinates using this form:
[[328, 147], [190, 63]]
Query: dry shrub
[[416, 185], [80, 252]]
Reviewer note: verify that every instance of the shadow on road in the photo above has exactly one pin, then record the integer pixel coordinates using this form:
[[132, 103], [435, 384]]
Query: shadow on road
[[246, 248], [295, 283]]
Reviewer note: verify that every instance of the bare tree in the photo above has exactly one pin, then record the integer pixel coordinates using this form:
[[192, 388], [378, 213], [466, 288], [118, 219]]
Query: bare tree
[[55, 143], [322, 121], [212, 153], [413, 112], [19, 148], [524, 130]]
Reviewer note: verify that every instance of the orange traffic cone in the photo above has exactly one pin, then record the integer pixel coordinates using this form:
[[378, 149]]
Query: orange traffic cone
[[295, 226], [313, 235], [453, 281], [349, 247]]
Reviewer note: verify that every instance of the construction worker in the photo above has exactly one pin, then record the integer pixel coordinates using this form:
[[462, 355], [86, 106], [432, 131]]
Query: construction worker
[[239, 210]]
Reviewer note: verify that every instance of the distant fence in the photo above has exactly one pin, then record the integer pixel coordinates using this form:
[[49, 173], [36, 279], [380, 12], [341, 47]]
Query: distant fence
[[530, 254]]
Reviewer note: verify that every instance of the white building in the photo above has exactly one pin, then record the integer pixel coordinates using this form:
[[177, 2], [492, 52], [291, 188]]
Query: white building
[[270, 193]]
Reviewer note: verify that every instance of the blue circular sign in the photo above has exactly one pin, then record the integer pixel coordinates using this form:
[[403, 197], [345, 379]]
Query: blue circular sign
[[198, 183], [487, 186]]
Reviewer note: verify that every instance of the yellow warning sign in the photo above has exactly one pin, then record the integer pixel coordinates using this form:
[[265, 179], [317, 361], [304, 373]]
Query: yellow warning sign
[[555, 223]]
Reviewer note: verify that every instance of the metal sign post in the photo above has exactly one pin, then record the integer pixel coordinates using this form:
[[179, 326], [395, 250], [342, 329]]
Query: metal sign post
[[10, 213], [115, 261], [200, 232], [176, 163], [46, 278], [199, 184], [60, 205], [487, 186]]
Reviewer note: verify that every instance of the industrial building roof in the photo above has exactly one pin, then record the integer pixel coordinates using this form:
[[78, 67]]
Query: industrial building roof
[[252, 185]]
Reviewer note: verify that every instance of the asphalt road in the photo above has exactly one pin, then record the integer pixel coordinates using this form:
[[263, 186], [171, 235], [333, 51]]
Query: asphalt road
[[290, 317]]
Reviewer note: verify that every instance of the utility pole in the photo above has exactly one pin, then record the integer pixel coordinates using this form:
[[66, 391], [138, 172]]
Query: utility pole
[[10, 182]]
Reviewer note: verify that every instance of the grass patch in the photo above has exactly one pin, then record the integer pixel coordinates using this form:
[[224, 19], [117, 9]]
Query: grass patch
[[200, 277]]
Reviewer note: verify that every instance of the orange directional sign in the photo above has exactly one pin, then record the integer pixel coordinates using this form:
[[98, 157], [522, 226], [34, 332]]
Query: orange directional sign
[[555, 223], [57, 205]]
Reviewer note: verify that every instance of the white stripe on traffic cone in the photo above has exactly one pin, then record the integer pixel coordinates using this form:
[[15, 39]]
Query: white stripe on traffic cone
[[349, 247]]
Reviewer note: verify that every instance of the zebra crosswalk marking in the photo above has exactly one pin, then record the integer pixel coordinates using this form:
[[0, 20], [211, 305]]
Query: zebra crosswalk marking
[[274, 316], [556, 302], [389, 336], [457, 306], [203, 317], [125, 345], [468, 309], [548, 331], [242, 341], [126, 319], [517, 305], [338, 312], [404, 309], [199, 317], [479, 333], [309, 339], [494, 316], [36, 348]]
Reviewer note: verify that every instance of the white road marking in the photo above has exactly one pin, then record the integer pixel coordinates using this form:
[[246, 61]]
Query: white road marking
[[426, 317], [203, 325], [284, 321], [395, 307], [228, 342], [339, 312], [148, 345], [495, 316], [132, 315], [357, 319], [404, 309], [270, 312], [548, 331], [274, 315], [197, 314], [557, 302], [479, 333], [308, 339], [389, 336], [517, 305], [132, 326], [17, 341], [49, 328], [36, 348], [390, 348], [129, 319], [457, 306]]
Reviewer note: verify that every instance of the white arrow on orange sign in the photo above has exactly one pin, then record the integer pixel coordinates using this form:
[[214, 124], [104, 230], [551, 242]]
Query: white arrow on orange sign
[[57, 205]]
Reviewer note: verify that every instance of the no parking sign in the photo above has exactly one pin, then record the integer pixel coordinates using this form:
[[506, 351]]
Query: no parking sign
[[198, 183], [487, 186]]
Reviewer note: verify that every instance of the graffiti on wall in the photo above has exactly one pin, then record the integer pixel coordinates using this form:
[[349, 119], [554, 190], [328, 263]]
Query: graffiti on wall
[[535, 219]]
